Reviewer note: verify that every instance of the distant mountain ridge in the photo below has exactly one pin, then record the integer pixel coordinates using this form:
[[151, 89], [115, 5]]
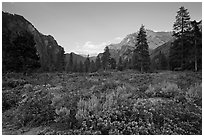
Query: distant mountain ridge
[[127, 45], [154, 39]]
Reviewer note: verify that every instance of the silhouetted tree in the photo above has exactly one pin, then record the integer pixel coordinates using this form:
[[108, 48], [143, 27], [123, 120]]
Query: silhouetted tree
[[120, 64], [106, 58], [129, 66], [197, 36], [70, 64], [186, 50], [87, 64], [175, 55], [125, 64], [75, 66], [180, 27], [135, 60], [112, 63], [92, 66], [81, 66], [142, 49], [98, 62], [21, 54], [159, 62]]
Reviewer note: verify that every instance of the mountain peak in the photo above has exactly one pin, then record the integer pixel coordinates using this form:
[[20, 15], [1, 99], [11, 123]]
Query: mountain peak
[[127, 45], [154, 39]]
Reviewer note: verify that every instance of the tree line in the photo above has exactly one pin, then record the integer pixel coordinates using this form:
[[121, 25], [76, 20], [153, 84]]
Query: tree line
[[140, 59], [185, 52]]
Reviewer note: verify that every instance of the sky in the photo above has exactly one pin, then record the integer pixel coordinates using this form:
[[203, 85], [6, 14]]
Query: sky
[[86, 28]]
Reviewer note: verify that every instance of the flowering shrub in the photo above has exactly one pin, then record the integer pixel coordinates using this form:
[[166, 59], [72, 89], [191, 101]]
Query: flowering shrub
[[164, 89], [10, 99], [86, 107], [107, 104], [194, 94], [34, 108]]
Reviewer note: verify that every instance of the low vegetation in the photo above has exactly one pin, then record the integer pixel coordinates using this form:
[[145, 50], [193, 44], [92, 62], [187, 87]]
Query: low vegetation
[[107, 103]]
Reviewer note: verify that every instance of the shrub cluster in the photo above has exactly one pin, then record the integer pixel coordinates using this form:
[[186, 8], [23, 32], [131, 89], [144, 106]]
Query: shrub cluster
[[164, 89], [34, 107], [110, 108]]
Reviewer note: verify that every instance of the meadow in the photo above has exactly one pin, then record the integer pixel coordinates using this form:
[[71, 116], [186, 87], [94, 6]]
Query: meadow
[[106, 102]]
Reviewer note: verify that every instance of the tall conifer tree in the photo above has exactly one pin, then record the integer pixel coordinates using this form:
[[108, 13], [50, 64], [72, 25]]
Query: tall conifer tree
[[142, 49], [180, 28]]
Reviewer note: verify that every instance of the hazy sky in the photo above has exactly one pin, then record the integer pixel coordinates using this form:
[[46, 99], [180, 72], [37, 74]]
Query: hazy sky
[[86, 28]]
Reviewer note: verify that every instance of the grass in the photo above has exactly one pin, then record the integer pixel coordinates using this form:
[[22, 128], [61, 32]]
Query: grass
[[115, 103]]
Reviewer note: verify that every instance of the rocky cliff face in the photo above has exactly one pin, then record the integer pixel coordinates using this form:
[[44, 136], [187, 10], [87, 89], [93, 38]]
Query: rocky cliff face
[[50, 53]]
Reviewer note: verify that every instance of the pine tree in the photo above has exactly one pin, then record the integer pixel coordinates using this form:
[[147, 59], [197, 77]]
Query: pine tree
[[92, 66], [87, 64], [69, 66], [180, 27], [75, 66], [98, 62], [197, 36], [142, 49], [135, 60], [120, 64], [112, 63], [21, 55], [163, 61], [160, 62], [81, 66], [175, 54], [129, 66], [125, 63], [106, 58]]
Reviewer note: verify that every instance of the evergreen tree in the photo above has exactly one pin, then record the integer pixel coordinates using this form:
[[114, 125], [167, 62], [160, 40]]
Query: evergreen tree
[[142, 49], [125, 64], [197, 49], [180, 27], [87, 64], [163, 61], [159, 62], [120, 64], [75, 66], [98, 62], [135, 60], [175, 54], [81, 66], [129, 64], [69, 66], [106, 58], [92, 66], [21, 55], [112, 63], [186, 50]]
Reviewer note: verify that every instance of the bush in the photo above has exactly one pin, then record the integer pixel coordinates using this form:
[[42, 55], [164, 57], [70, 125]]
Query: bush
[[194, 94], [35, 108], [10, 99], [12, 83], [164, 89]]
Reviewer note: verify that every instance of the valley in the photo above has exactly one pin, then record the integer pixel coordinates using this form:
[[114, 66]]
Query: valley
[[147, 83]]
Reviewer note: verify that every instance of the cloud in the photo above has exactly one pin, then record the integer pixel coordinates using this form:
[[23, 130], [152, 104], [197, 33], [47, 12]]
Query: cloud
[[90, 48], [118, 38]]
